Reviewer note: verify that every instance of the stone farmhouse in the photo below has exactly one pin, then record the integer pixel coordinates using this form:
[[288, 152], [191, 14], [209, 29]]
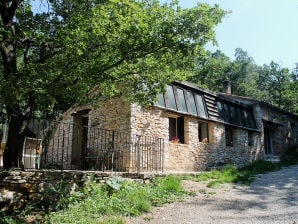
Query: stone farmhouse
[[187, 129]]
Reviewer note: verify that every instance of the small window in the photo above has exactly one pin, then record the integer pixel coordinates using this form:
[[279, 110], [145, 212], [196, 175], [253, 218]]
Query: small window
[[203, 132], [229, 136], [250, 138], [176, 129]]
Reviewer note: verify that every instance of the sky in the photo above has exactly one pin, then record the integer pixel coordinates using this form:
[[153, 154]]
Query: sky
[[266, 29]]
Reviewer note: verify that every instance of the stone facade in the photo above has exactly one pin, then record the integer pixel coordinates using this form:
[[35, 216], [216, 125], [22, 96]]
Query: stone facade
[[194, 155], [270, 135], [282, 127]]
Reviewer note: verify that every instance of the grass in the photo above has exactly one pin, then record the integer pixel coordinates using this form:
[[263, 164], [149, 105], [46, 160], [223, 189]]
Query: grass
[[119, 197], [247, 173], [106, 203]]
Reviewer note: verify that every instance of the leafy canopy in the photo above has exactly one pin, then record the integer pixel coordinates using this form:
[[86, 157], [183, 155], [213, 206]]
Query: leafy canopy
[[270, 83], [133, 47]]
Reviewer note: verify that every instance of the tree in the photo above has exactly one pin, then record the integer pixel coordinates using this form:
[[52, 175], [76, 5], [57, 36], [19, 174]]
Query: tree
[[212, 70], [270, 83], [283, 87], [55, 57]]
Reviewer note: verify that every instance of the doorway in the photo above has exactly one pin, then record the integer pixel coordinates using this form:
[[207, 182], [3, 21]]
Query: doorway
[[79, 138], [268, 141]]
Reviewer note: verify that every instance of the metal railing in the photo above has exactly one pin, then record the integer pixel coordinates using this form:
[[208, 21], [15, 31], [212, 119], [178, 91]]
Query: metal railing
[[71, 146]]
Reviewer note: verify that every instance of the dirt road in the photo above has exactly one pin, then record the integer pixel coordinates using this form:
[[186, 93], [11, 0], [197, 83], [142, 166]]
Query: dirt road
[[272, 198]]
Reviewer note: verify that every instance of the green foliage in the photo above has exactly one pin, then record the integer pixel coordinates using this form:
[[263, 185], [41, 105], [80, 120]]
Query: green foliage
[[118, 196], [227, 174], [270, 83], [132, 47], [290, 157], [77, 51], [5, 219], [247, 173]]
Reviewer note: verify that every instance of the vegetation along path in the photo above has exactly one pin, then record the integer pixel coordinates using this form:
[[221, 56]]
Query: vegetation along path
[[271, 198]]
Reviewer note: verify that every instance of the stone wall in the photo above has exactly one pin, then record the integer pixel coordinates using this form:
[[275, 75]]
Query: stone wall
[[194, 155], [65, 140], [279, 123], [41, 187]]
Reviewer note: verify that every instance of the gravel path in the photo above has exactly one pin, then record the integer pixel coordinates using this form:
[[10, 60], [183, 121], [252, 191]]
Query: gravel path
[[272, 198]]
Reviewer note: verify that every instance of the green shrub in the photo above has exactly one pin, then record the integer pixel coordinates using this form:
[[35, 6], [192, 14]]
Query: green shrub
[[247, 173], [118, 197]]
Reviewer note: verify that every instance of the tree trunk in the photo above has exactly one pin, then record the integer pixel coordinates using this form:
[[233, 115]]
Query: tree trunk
[[12, 156]]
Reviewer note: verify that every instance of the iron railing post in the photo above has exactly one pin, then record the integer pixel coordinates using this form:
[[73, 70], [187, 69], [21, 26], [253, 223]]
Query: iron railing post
[[138, 155]]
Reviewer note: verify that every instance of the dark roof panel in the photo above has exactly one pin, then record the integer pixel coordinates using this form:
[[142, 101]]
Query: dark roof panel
[[185, 97]]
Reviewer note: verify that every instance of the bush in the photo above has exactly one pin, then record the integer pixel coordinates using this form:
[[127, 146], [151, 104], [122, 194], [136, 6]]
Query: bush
[[247, 173], [116, 197]]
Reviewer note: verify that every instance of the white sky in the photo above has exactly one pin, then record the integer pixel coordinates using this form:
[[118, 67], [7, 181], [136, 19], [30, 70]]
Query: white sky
[[266, 29]]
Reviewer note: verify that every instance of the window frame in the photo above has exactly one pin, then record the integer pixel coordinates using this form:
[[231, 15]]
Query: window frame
[[177, 125], [173, 96], [250, 138], [203, 125], [229, 136]]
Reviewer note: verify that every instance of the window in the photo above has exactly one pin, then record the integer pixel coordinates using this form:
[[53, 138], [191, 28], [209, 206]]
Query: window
[[236, 114], [176, 128], [191, 103], [181, 100], [250, 138], [161, 100], [229, 136], [292, 132], [203, 132], [201, 107], [171, 98]]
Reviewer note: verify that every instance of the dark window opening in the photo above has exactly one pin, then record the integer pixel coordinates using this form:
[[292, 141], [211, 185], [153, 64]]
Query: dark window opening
[[203, 132], [229, 136], [232, 114], [176, 129], [250, 138]]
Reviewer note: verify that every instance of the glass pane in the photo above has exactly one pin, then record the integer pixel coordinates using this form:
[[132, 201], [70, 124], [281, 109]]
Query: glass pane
[[244, 118], [227, 113], [191, 103], [251, 123], [181, 100], [160, 100], [238, 116], [201, 107], [220, 110], [233, 115], [171, 98]]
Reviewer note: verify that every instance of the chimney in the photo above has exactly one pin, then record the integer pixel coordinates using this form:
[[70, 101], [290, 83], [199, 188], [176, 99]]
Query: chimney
[[227, 89]]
